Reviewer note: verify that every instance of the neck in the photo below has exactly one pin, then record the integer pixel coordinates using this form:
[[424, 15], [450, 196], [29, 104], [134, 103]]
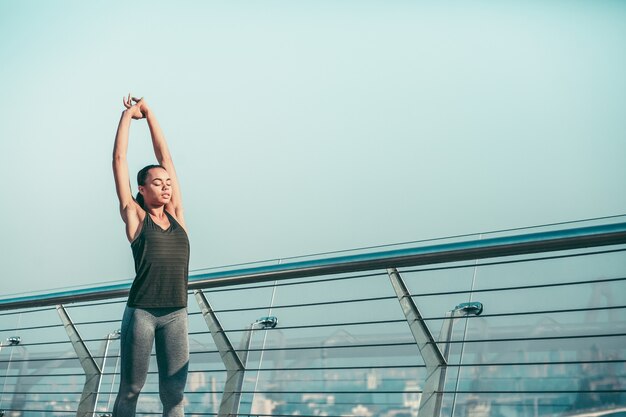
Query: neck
[[156, 211]]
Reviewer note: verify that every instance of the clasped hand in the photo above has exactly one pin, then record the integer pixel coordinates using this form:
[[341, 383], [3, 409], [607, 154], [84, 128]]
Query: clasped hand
[[138, 110]]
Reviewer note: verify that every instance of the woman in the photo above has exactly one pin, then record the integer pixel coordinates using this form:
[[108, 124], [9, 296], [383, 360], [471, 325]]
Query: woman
[[156, 308]]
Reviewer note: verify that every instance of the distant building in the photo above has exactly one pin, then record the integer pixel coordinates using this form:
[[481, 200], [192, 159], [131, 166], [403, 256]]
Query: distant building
[[262, 405], [411, 398]]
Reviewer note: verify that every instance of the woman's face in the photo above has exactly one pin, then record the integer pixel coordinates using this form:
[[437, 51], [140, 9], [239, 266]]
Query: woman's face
[[157, 189]]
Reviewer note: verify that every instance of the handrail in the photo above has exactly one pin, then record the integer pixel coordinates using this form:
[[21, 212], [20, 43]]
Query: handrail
[[568, 239]]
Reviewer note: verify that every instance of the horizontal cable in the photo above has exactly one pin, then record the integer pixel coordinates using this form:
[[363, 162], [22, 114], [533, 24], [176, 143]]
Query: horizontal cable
[[344, 301], [440, 293], [371, 391], [412, 343], [366, 367], [98, 303], [47, 326], [190, 411], [51, 375], [514, 261], [309, 326], [528, 339], [354, 346], [35, 310], [411, 391], [287, 283], [359, 379], [528, 287], [558, 311], [40, 360], [408, 391], [55, 342], [390, 404], [572, 391], [359, 323], [40, 411]]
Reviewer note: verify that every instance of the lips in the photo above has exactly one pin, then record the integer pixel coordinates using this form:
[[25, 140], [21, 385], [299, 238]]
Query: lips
[[165, 195]]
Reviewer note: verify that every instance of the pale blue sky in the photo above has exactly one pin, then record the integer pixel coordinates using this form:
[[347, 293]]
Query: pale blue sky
[[305, 126]]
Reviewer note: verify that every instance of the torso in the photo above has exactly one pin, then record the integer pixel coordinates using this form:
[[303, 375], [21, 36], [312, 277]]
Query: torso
[[161, 254]]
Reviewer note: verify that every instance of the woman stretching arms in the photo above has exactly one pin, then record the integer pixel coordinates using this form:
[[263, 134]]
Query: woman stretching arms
[[156, 311]]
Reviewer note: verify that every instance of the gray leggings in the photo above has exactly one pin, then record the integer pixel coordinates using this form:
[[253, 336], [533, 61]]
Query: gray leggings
[[140, 328]]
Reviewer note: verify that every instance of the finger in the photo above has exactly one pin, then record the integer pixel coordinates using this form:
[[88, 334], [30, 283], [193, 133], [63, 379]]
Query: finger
[[137, 100], [126, 103]]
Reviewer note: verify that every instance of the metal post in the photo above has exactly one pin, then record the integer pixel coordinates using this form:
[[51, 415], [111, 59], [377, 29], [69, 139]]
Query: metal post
[[233, 361], [102, 356], [19, 397], [93, 372], [430, 405], [435, 355], [18, 402]]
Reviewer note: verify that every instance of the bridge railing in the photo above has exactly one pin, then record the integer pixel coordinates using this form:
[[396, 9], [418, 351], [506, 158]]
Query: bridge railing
[[529, 323]]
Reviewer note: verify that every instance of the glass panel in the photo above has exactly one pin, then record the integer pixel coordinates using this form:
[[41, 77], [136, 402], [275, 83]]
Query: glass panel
[[552, 330]]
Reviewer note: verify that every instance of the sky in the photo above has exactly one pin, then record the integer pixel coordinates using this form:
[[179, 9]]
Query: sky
[[304, 127]]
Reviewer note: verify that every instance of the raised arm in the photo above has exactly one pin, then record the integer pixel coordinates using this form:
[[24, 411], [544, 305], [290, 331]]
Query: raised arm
[[128, 206], [163, 156]]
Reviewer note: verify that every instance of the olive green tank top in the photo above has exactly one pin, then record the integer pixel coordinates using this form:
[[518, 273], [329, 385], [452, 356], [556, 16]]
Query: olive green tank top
[[161, 265]]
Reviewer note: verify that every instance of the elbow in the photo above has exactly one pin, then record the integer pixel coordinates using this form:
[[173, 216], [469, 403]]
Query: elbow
[[165, 160], [119, 159]]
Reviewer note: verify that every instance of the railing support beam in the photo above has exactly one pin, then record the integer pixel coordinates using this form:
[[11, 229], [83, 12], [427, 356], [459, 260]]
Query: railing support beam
[[235, 362], [93, 372], [435, 361]]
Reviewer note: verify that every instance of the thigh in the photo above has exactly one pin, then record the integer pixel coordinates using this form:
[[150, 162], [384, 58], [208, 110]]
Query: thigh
[[172, 346], [136, 341]]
